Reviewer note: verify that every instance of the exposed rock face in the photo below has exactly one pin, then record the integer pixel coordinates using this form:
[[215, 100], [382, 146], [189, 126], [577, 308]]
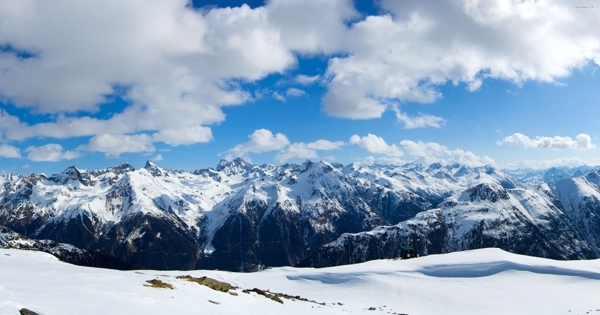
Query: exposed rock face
[[244, 217], [517, 220]]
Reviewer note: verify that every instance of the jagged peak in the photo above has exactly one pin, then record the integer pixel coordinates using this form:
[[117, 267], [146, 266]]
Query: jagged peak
[[352, 167], [593, 177], [237, 163], [118, 169], [554, 174], [578, 173], [70, 173], [484, 192], [154, 169], [455, 165], [310, 165], [235, 166], [434, 166], [123, 167], [463, 170], [14, 176], [488, 169]]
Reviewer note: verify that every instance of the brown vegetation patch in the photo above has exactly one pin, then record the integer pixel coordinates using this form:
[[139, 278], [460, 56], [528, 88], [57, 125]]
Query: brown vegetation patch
[[209, 282], [155, 283], [25, 311]]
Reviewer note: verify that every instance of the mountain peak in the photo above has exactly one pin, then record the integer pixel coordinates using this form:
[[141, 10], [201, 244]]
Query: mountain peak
[[483, 192], [124, 167], [463, 170], [553, 174], [434, 166], [235, 166], [153, 169], [70, 173], [309, 165]]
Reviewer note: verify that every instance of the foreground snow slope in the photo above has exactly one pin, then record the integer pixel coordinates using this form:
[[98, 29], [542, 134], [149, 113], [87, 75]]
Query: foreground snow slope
[[486, 281]]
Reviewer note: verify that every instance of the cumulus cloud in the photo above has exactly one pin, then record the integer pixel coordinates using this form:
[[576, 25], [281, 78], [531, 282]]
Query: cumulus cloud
[[173, 63], [303, 150], [312, 26], [178, 66], [157, 158], [430, 152], [114, 145], [50, 153], [294, 92], [582, 141], [306, 80], [189, 135], [8, 151], [376, 144], [420, 121], [406, 54], [420, 149], [278, 97], [261, 140]]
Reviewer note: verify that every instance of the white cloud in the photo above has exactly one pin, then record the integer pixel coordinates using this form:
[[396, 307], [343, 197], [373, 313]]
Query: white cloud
[[175, 62], [582, 141], [114, 145], [342, 100], [189, 135], [376, 144], [306, 80], [157, 158], [312, 26], [303, 150], [179, 65], [470, 159], [425, 150], [294, 92], [420, 121], [50, 153], [430, 152], [261, 140], [405, 55], [8, 151], [278, 97]]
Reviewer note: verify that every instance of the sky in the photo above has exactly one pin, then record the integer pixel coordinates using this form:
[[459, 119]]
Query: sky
[[508, 83]]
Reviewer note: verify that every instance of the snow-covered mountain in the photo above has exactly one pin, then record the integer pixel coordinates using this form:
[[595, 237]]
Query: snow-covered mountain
[[559, 219], [240, 216], [533, 178]]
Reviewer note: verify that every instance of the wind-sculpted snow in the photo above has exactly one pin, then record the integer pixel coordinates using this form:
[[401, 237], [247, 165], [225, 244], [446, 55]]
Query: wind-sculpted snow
[[487, 281], [241, 216]]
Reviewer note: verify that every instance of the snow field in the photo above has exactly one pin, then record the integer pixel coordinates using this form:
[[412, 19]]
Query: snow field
[[487, 281]]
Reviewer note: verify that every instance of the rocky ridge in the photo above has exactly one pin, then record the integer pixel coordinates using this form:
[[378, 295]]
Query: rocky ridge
[[243, 217]]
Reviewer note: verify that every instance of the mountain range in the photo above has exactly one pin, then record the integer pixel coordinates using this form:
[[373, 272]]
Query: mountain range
[[245, 217]]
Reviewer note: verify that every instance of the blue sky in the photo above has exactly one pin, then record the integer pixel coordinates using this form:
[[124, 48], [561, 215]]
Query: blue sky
[[186, 84]]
